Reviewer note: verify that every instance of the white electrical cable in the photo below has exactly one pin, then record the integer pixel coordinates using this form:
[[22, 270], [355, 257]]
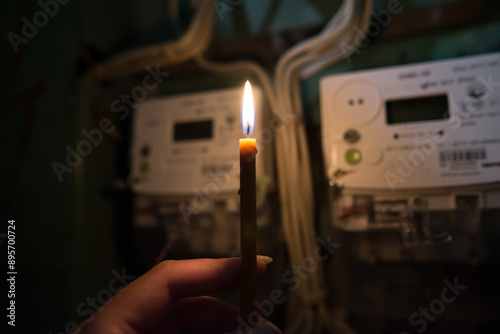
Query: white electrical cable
[[290, 93], [288, 97], [242, 66], [194, 42], [352, 41], [330, 33], [312, 47], [284, 77]]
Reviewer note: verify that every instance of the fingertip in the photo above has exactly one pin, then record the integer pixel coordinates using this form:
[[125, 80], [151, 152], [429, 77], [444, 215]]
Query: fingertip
[[186, 278]]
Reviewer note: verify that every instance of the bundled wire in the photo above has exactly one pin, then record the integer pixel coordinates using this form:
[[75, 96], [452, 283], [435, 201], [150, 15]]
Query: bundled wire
[[194, 42], [293, 161]]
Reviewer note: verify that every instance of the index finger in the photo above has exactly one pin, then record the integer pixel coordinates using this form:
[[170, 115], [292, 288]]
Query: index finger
[[204, 276]]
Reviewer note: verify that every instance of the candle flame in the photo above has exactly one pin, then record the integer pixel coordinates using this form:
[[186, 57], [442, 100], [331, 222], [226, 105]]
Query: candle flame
[[248, 111]]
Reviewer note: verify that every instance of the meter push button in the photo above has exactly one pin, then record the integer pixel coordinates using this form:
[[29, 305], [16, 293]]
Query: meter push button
[[353, 156], [351, 136]]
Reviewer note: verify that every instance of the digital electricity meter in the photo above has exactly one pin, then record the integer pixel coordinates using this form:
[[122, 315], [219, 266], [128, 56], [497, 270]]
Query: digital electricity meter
[[418, 126]]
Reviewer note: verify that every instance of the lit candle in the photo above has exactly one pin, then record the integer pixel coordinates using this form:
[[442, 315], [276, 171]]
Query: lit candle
[[248, 221]]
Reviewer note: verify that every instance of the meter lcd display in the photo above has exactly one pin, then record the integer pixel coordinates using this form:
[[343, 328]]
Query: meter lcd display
[[417, 110], [193, 130]]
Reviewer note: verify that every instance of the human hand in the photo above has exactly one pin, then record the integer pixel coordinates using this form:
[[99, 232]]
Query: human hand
[[170, 299]]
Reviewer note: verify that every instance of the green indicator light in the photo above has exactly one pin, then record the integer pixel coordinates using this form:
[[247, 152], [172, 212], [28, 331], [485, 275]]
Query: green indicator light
[[353, 156], [144, 167]]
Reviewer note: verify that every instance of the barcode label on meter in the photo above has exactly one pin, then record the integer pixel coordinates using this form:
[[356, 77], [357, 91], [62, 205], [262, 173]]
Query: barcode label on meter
[[458, 156]]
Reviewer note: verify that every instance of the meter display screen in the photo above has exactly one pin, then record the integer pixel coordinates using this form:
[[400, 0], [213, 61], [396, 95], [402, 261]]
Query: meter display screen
[[417, 110], [193, 130]]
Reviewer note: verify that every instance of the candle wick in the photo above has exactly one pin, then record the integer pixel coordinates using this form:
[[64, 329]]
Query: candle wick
[[248, 130], [248, 135]]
